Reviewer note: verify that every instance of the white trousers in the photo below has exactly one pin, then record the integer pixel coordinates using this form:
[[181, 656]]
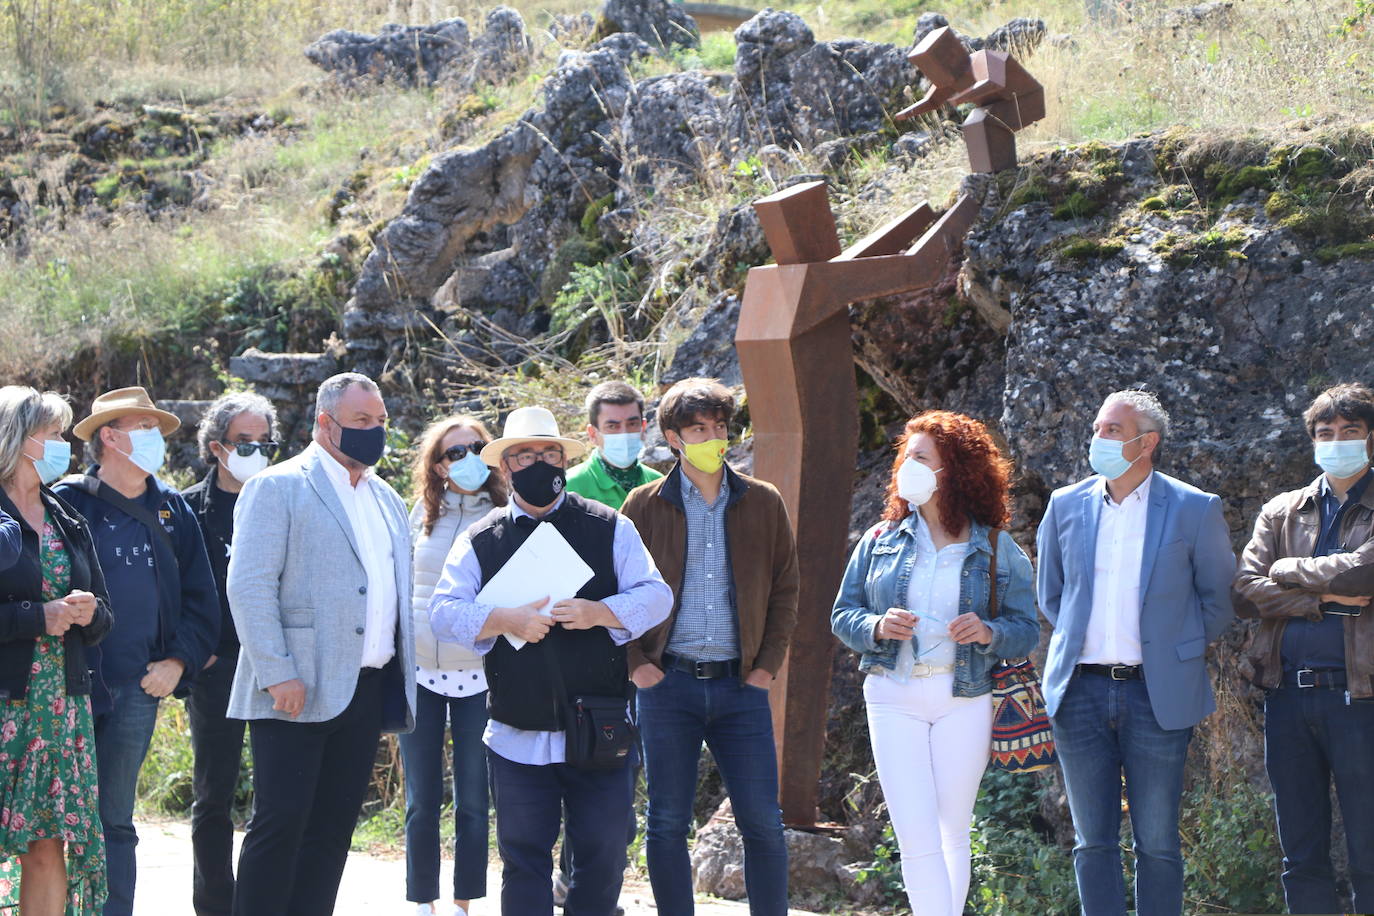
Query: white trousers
[[931, 748]]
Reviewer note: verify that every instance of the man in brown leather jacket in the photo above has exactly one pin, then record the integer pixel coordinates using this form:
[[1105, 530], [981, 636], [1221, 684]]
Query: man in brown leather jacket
[[723, 542], [1314, 652]]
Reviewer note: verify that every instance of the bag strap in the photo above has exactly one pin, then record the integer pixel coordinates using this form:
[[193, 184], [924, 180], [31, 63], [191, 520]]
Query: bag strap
[[995, 536], [137, 511]]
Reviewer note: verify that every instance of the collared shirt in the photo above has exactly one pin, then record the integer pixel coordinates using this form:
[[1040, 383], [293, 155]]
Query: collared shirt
[[642, 603], [705, 629], [1113, 634], [373, 537], [932, 592], [1321, 643]]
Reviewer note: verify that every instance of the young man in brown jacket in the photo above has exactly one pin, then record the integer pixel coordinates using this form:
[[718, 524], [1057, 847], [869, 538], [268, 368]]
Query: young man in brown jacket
[[723, 542], [1314, 652]]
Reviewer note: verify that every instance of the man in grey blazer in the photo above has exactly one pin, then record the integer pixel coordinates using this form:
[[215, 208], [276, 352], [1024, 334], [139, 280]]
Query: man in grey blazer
[[319, 588], [1134, 573]]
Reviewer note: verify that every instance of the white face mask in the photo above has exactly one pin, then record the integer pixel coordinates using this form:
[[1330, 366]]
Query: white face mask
[[916, 482], [242, 468]]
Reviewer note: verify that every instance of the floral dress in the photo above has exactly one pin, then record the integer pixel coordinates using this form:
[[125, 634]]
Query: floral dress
[[47, 763]]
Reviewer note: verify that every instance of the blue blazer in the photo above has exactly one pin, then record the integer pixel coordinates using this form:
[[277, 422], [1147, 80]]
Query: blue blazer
[[1186, 569]]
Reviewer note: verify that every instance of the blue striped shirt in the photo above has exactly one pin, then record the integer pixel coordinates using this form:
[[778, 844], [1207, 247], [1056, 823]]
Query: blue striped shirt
[[705, 629]]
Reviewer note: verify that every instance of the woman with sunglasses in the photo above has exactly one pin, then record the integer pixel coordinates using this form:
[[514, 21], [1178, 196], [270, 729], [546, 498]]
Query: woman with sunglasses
[[454, 488], [237, 439], [914, 603]]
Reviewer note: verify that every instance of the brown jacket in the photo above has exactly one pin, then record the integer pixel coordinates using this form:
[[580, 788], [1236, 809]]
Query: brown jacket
[[763, 564], [1279, 578]]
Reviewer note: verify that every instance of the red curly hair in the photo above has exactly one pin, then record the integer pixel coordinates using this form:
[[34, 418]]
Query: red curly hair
[[975, 481]]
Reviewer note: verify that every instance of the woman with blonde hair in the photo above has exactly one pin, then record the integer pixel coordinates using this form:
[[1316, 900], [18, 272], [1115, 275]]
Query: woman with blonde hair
[[915, 603], [52, 849], [454, 488]]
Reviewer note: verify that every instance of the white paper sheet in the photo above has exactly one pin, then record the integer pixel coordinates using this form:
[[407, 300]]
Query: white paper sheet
[[545, 564]]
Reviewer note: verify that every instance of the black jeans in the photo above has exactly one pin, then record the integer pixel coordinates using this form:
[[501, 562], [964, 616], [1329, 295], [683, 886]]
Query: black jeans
[[309, 782], [218, 745], [1311, 739]]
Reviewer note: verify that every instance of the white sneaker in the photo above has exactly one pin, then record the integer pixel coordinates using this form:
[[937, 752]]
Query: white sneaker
[[424, 909], [458, 911]]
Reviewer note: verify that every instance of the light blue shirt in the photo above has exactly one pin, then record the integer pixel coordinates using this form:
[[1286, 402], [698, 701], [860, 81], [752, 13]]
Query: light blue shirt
[[642, 603], [705, 629]]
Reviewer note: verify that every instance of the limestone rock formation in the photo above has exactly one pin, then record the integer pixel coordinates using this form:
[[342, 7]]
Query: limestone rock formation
[[661, 23]]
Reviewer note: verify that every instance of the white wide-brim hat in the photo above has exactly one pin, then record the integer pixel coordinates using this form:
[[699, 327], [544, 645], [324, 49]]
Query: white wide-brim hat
[[121, 402], [530, 424]]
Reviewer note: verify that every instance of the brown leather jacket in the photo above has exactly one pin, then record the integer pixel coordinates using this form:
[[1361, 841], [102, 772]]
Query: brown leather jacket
[[763, 564], [1279, 578]]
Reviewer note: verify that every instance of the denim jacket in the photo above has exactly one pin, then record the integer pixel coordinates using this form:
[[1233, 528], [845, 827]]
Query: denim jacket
[[876, 579]]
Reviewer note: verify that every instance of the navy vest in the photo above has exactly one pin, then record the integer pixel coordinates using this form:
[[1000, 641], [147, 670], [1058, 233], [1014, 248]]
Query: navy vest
[[520, 685]]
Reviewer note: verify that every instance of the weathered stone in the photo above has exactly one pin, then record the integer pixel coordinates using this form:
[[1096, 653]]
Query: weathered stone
[[659, 22], [503, 50], [709, 350], [413, 55], [761, 108], [625, 45], [1019, 37], [257, 367], [188, 412], [671, 131], [814, 861], [848, 87]]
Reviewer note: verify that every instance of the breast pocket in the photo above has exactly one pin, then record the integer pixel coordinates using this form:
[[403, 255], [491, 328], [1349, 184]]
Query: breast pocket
[[882, 576]]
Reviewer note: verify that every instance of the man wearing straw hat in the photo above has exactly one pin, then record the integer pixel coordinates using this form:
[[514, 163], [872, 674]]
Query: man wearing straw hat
[[576, 648], [162, 594]]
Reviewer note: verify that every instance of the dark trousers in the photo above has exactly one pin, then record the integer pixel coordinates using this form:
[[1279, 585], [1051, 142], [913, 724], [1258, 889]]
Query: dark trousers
[[1312, 738], [565, 864], [309, 781], [422, 754], [529, 808], [218, 745]]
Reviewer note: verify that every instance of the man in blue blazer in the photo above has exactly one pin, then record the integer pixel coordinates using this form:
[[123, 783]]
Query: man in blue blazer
[[1134, 573]]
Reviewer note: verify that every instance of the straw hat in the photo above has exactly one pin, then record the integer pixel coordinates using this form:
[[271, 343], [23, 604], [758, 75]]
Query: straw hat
[[120, 403], [530, 424]]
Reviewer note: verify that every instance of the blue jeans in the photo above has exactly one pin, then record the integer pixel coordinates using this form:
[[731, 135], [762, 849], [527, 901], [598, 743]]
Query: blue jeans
[[676, 716], [530, 801], [1311, 737], [122, 736], [1105, 728], [422, 754]]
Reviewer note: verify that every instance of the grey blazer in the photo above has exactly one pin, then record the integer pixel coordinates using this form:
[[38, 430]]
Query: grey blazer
[[297, 594]]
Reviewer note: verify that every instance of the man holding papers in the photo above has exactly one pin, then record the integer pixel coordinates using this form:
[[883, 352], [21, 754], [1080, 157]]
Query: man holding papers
[[580, 597]]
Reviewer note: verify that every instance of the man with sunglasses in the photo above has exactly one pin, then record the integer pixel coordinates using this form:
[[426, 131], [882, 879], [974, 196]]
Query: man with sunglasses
[[237, 439], [582, 637]]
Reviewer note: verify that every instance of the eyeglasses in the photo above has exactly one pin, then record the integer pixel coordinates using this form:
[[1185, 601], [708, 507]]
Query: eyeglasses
[[548, 456], [246, 449], [459, 452]]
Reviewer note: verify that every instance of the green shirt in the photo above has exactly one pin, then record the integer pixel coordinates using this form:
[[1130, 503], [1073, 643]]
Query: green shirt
[[592, 479]]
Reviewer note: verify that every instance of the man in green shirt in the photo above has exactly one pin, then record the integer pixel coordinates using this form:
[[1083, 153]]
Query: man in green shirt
[[615, 428]]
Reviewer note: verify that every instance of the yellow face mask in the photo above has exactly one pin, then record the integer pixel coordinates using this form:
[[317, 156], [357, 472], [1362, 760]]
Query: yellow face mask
[[707, 456]]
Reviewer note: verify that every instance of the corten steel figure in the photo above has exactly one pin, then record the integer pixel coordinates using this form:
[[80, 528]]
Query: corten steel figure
[[798, 364]]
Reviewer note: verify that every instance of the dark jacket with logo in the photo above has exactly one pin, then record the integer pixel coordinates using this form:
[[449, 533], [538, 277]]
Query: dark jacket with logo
[[214, 509], [188, 602], [21, 601]]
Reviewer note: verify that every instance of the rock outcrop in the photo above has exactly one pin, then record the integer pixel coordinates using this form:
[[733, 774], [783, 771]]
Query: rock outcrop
[[661, 23]]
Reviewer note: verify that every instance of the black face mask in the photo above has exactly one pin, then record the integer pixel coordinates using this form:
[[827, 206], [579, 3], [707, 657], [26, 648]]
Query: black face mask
[[364, 446], [539, 484]]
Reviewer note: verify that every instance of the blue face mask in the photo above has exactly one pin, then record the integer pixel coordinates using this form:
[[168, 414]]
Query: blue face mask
[[1341, 458], [1104, 455], [57, 457], [469, 472], [147, 449], [622, 449]]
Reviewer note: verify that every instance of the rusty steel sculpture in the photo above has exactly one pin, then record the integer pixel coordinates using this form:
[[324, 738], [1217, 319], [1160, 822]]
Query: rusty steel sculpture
[[797, 361]]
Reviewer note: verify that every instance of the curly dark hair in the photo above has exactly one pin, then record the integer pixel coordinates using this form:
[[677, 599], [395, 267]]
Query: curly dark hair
[[975, 481]]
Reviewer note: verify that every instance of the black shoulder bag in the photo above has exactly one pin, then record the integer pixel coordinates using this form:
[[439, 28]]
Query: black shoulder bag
[[598, 730]]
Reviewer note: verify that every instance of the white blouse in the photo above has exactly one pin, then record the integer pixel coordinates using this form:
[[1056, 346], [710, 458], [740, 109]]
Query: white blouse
[[932, 592]]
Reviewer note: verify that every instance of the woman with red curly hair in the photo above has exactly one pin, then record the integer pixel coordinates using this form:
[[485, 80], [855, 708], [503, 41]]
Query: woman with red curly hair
[[914, 603]]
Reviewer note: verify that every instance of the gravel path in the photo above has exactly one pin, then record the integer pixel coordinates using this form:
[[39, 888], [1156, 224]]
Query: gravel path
[[372, 885]]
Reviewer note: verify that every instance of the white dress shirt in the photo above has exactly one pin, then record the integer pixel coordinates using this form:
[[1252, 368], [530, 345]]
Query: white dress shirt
[[1113, 634], [933, 593], [643, 602], [373, 537]]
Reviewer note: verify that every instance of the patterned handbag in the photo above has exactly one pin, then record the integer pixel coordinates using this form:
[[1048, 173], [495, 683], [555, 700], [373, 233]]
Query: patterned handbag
[[1022, 741]]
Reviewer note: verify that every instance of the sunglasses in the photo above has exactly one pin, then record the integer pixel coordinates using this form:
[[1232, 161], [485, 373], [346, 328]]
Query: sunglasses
[[246, 449], [459, 452]]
